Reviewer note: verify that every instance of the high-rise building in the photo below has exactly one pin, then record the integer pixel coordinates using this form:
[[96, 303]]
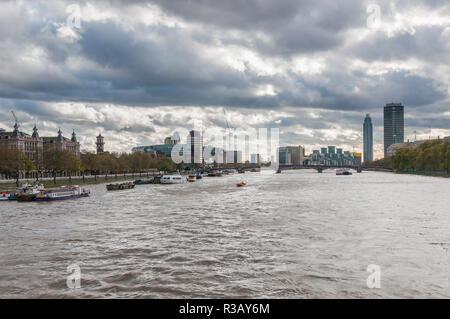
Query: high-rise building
[[100, 144], [394, 129], [368, 139], [195, 146]]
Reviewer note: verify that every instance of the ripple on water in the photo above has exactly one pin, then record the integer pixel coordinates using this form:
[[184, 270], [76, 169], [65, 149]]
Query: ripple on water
[[298, 234]]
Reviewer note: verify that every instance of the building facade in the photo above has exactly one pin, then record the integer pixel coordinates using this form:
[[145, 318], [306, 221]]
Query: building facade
[[333, 156], [394, 127], [368, 139], [195, 147], [291, 155], [35, 146], [61, 143], [31, 145]]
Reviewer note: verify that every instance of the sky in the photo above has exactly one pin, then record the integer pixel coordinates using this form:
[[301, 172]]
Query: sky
[[136, 71]]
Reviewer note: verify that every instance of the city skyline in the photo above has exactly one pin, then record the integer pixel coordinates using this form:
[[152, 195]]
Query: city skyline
[[315, 85]]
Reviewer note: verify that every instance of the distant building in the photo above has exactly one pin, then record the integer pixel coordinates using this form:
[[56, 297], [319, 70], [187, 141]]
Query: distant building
[[255, 159], [291, 155], [195, 147], [332, 156], [394, 130], [32, 146], [35, 146], [447, 138], [172, 140], [368, 139], [100, 144], [392, 149], [61, 143], [160, 149]]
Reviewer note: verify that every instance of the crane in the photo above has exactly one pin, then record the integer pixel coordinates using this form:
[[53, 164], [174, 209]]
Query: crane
[[15, 118]]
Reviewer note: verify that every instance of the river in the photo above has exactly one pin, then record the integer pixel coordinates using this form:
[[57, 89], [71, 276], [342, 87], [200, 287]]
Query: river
[[298, 234]]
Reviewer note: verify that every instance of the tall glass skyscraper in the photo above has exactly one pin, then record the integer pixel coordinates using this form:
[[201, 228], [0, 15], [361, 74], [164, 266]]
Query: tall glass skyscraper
[[394, 129], [368, 139]]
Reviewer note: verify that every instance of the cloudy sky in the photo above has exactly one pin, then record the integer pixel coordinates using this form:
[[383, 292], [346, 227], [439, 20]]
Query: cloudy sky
[[138, 70]]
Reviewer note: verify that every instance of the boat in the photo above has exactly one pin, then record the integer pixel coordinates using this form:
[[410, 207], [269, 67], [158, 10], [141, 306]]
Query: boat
[[5, 195], [173, 179], [143, 181], [64, 192], [198, 176], [192, 178], [241, 171], [241, 184], [156, 179], [256, 169], [29, 193], [343, 172], [120, 186], [214, 173]]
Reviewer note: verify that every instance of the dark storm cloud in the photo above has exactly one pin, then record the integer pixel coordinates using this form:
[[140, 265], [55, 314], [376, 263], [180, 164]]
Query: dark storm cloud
[[187, 63]]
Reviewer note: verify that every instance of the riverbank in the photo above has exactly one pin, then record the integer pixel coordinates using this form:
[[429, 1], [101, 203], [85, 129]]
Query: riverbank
[[75, 181], [420, 173]]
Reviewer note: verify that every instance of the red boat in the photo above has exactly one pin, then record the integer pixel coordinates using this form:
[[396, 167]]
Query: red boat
[[241, 184]]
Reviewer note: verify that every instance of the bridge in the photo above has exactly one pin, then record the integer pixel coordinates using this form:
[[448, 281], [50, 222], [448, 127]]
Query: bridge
[[320, 168]]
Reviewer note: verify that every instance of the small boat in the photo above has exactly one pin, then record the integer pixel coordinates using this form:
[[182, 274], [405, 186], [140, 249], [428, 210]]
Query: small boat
[[64, 192], [156, 179], [241, 171], [5, 195], [215, 173], [198, 176], [143, 181], [192, 178], [241, 184], [256, 170], [120, 186], [29, 193], [173, 179], [343, 172]]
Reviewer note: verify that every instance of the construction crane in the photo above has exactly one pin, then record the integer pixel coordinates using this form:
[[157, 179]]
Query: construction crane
[[226, 118], [15, 118]]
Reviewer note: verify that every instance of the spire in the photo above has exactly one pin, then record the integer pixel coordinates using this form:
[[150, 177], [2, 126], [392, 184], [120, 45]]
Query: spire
[[60, 137], [74, 137], [16, 129], [35, 132]]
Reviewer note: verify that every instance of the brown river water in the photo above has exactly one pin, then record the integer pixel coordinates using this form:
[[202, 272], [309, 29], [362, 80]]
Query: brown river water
[[298, 234]]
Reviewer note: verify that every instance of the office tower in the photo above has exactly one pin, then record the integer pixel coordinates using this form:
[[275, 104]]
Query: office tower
[[195, 146], [394, 130], [368, 139]]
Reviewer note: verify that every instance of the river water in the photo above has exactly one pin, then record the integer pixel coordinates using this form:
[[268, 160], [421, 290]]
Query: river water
[[298, 234]]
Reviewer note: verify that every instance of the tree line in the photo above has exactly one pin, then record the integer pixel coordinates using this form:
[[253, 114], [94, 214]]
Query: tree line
[[13, 161], [432, 156]]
